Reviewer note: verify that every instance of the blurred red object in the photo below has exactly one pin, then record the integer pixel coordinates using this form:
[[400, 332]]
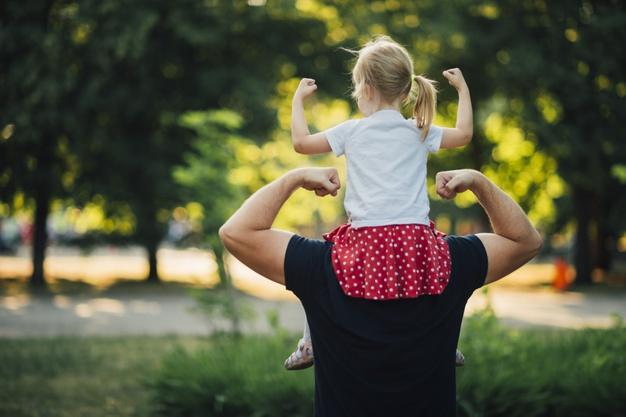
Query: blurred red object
[[560, 281]]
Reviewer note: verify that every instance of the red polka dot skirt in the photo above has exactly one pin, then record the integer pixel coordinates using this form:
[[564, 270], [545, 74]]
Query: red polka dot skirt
[[390, 262]]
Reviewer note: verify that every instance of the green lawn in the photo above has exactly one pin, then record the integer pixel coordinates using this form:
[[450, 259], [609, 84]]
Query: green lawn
[[512, 373], [86, 377]]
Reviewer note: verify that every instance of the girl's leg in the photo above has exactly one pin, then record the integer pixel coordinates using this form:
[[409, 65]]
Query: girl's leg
[[302, 357], [306, 335]]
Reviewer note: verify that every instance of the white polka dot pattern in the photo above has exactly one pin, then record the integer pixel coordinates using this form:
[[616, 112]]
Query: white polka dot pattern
[[390, 262]]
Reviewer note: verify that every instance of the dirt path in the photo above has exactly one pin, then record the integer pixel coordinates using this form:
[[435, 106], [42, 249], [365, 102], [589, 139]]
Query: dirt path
[[80, 305], [169, 309]]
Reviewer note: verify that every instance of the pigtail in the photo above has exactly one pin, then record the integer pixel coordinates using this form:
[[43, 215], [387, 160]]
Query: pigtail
[[425, 103]]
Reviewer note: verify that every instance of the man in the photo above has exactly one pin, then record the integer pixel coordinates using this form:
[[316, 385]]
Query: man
[[372, 358]]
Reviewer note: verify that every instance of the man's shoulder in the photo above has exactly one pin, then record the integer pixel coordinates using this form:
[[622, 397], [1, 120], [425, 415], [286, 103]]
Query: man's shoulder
[[464, 241], [469, 259], [305, 260], [302, 245]]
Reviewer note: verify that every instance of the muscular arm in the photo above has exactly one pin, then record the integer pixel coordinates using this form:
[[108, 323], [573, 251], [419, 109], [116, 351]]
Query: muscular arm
[[514, 240], [248, 234]]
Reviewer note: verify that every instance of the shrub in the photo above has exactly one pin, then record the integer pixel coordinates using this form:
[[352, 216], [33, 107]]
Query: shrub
[[233, 377], [530, 373], [538, 373]]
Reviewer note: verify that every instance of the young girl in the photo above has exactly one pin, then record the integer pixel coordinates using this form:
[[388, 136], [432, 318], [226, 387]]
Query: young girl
[[389, 249]]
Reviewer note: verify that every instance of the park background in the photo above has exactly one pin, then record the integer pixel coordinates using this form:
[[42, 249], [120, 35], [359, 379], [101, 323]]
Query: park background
[[129, 131]]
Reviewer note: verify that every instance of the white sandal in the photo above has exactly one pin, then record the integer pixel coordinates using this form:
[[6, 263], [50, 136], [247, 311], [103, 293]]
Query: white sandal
[[302, 357], [460, 358]]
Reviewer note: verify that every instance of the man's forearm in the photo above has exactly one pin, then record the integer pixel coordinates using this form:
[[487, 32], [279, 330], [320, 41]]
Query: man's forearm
[[514, 241], [506, 216], [248, 234], [261, 209]]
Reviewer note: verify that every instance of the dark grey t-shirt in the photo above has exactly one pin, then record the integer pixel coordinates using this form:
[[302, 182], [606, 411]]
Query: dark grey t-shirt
[[383, 358]]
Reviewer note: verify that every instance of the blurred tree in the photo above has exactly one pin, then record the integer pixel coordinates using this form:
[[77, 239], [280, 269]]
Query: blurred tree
[[156, 60], [94, 90], [204, 175], [204, 179], [553, 69], [92, 97], [37, 90], [563, 64], [442, 35]]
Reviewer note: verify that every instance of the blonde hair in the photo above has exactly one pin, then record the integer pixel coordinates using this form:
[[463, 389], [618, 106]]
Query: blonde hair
[[387, 66]]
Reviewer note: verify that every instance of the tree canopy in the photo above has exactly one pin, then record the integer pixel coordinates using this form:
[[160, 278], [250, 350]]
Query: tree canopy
[[137, 108]]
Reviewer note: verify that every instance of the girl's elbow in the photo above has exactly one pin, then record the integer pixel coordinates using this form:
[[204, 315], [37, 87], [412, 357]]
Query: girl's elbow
[[298, 148], [298, 145], [468, 135]]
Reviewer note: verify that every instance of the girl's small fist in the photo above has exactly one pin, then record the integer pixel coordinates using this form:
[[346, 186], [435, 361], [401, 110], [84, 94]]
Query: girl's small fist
[[306, 87], [455, 78]]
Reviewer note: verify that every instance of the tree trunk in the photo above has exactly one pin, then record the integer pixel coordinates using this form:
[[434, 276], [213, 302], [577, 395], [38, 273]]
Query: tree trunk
[[604, 246], [233, 313], [149, 235], [153, 273], [40, 235], [604, 243], [218, 251], [42, 193], [582, 249]]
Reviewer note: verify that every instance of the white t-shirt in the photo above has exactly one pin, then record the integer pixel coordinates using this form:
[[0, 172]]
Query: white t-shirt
[[386, 168]]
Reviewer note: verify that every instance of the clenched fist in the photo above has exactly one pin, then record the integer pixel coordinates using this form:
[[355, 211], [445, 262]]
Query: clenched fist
[[451, 183], [323, 181], [306, 87], [455, 78]]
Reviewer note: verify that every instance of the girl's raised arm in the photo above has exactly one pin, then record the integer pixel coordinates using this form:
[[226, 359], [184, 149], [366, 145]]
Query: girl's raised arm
[[460, 135], [303, 141]]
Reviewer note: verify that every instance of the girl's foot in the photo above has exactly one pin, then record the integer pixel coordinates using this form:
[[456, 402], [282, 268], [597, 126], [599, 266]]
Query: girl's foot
[[302, 358], [460, 358]]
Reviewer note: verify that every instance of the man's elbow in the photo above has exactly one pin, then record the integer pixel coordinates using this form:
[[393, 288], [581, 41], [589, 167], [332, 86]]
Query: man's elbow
[[535, 244], [227, 235]]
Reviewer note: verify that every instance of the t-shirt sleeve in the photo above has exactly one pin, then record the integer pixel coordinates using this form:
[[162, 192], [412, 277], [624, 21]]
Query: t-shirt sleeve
[[339, 135], [469, 262], [433, 138], [305, 260]]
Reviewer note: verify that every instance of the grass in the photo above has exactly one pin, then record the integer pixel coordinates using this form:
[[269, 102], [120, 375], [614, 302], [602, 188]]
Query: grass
[[74, 377], [231, 378], [530, 373], [541, 373], [512, 373]]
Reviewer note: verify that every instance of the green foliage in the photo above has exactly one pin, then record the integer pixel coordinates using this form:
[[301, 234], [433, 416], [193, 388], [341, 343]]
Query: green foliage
[[223, 302], [77, 377], [540, 373], [532, 373], [203, 176], [92, 102], [561, 68], [233, 379]]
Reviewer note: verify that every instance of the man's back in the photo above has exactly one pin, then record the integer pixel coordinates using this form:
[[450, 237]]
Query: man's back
[[383, 358]]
